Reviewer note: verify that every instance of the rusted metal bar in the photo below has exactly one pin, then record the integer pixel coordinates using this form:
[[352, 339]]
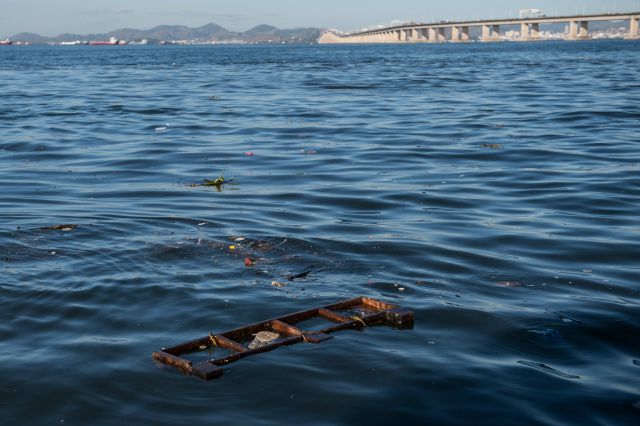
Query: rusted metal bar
[[370, 312]]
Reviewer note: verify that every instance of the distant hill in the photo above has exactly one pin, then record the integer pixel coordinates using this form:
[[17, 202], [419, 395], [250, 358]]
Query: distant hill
[[209, 32]]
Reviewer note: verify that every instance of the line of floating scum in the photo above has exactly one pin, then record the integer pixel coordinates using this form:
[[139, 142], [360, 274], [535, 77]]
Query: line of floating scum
[[355, 313]]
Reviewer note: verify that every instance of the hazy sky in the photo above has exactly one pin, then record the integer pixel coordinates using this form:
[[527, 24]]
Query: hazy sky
[[52, 17]]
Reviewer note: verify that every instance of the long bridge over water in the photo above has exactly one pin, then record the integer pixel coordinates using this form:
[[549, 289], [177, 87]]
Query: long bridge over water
[[578, 29]]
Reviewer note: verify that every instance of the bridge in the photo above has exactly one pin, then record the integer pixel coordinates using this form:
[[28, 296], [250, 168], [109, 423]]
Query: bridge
[[578, 29]]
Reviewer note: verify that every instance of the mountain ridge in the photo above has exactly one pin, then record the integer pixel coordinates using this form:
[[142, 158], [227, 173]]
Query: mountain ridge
[[210, 32]]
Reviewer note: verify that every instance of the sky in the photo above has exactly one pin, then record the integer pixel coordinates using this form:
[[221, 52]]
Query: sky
[[53, 17]]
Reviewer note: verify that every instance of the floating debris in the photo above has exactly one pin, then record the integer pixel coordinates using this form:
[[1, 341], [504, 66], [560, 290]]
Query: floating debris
[[492, 146], [63, 228], [215, 182], [278, 284], [263, 338], [298, 276], [546, 369], [249, 154], [160, 129], [248, 262], [374, 312], [509, 283], [238, 239]]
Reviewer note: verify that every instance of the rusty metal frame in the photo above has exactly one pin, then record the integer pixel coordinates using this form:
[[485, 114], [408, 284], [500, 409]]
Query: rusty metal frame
[[374, 312]]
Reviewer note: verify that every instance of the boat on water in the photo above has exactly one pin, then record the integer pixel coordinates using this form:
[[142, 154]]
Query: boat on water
[[112, 42], [5, 42]]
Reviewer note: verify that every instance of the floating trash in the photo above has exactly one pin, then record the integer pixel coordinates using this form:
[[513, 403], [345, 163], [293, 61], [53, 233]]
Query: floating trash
[[263, 338], [63, 228], [491, 146], [509, 283], [248, 262], [284, 331], [278, 284], [216, 182], [299, 276]]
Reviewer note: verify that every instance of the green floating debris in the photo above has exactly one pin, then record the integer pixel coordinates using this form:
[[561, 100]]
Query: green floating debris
[[216, 182], [492, 146]]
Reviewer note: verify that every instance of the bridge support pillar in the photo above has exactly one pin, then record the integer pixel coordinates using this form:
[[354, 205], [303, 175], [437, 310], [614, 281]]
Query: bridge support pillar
[[573, 31], [455, 34], [464, 34], [634, 24], [524, 31], [583, 32], [495, 33], [535, 31], [437, 35], [486, 33]]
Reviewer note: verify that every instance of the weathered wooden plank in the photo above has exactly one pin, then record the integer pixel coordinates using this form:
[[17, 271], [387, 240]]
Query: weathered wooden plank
[[332, 316], [377, 304], [284, 328], [229, 344], [173, 360], [207, 370]]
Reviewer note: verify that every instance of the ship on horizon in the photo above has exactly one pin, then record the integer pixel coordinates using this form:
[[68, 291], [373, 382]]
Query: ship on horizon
[[6, 42], [112, 42]]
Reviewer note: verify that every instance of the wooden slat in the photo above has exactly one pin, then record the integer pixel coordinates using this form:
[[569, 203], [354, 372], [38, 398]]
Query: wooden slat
[[332, 316], [377, 304], [284, 328], [229, 344], [172, 360], [207, 370]]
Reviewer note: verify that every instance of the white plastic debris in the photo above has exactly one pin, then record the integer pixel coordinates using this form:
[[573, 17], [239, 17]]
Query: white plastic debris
[[263, 338]]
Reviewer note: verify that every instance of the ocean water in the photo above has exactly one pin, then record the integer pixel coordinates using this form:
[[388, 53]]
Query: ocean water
[[494, 189]]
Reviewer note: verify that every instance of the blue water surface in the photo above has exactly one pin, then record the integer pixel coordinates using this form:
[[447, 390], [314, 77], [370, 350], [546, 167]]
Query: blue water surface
[[492, 188]]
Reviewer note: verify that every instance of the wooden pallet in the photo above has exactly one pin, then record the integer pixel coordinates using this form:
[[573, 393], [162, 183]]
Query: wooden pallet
[[355, 313]]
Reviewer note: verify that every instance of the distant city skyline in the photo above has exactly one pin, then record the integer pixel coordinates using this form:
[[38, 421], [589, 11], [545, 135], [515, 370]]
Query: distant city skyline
[[77, 16]]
